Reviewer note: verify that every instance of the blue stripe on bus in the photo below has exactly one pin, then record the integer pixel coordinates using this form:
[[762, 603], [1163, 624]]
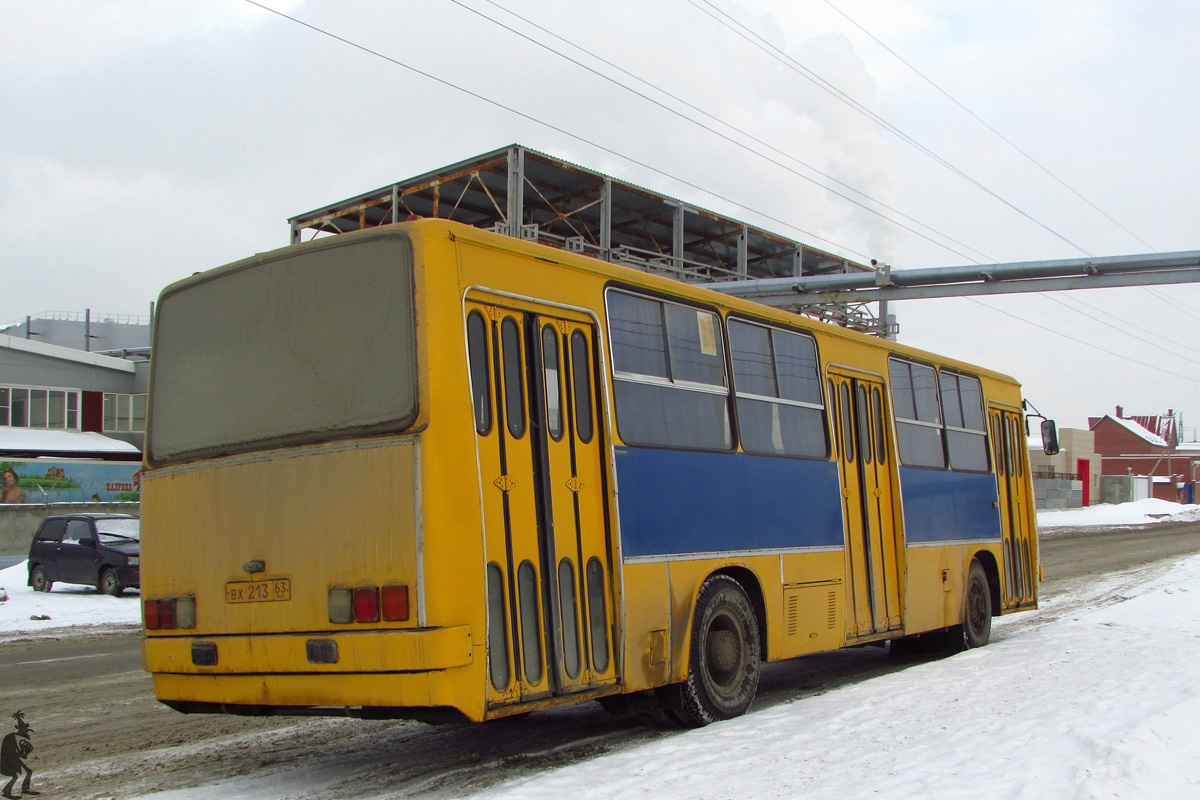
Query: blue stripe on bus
[[942, 506], [674, 502]]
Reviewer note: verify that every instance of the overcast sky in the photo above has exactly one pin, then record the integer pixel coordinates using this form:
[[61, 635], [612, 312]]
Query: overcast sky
[[143, 141]]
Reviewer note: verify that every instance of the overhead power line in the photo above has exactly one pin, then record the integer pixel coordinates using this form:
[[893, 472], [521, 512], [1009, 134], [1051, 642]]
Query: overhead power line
[[551, 126], [736, 27], [1084, 342], [1157, 345], [985, 124], [722, 122], [646, 166]]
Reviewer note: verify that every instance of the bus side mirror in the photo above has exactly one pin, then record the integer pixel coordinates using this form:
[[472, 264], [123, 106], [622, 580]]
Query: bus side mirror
[[1049, 437]]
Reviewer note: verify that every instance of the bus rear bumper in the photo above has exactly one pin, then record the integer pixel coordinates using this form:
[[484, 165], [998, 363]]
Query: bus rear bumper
[[378, 673], [361, 651]]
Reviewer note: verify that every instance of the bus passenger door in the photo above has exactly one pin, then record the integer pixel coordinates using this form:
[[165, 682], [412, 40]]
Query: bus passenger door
[[545, 531], [874, 546], [1009, 462], [576, 489]]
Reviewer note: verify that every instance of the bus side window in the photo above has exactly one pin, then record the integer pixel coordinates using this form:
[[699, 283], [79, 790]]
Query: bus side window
[[477, 356], [864, 425], [847, 423], [514, 395], [669, 382], [918, 414], [581, 387], [880, 429], [966, 430], [778, 391], [998, 445], [554, 420], [833, 424]]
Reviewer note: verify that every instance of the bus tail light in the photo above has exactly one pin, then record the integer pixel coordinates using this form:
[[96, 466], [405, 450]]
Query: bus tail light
[[185, 612], [166, 614], [341, 606], [366, 604], [150, 615], [395, 603], [169, 613]]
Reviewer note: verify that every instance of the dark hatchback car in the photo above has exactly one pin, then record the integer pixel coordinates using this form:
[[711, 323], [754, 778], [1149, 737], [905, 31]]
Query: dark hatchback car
[[98, 549]]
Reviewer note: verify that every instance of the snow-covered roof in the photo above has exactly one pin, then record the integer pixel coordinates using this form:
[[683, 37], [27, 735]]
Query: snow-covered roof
[[38, 440], [1138, 430]]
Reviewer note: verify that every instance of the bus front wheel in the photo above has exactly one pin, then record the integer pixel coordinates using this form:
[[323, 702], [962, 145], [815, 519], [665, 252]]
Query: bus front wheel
[[724, 661]]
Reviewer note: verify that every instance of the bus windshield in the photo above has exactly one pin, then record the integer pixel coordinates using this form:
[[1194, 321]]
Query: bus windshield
[[304, 345]]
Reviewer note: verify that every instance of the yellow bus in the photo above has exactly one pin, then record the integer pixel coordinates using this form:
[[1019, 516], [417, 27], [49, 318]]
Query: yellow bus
[[430, 471]]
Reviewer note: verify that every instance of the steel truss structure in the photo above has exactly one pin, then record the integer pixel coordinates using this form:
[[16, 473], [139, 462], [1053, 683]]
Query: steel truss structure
[[530, 195]]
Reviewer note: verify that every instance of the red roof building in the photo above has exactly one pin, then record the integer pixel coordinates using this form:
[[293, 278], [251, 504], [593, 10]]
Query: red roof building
[[1149, 446]]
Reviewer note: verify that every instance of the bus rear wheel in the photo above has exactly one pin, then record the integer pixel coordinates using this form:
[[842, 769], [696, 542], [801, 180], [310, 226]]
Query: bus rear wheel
[[977, 621], [724, 662]]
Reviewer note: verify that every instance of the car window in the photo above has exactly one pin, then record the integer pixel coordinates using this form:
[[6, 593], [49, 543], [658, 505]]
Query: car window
[[77, 529], [51, 530], [119, 530]]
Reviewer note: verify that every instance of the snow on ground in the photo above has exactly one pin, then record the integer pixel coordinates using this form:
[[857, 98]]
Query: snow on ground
[[67, 605], [1101, 702], [1095, 695], [1139, 512]]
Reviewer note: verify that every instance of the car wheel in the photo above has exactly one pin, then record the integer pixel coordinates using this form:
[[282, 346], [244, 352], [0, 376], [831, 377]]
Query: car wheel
[[38, 579], [109, 583], [725, 658]]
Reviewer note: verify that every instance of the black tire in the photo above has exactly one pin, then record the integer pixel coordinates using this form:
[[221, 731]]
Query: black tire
[[977, 618], [725, 655], [38, 579], [110, 584]]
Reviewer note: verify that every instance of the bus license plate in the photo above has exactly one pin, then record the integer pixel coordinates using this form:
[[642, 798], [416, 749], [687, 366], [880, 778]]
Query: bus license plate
[[268, 591]]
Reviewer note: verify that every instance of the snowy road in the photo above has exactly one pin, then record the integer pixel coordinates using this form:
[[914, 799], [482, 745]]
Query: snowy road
[[100, 734]]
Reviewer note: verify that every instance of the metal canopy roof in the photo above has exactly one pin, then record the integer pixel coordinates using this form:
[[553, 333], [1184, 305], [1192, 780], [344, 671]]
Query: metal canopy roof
[[530, 195]]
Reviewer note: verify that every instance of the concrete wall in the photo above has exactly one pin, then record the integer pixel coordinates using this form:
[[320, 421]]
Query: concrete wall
[[1116, 489], [19, 523], [1057, 494]]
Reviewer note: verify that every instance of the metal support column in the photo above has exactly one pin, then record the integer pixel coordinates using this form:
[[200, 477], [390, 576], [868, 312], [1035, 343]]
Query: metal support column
[[677, 239], [743, 253], [606, 220], [516, 191]]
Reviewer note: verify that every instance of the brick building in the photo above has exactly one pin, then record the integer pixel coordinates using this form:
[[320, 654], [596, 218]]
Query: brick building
[[1133, 445]]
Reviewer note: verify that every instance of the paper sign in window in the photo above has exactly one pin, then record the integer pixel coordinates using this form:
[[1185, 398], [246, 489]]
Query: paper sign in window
[[706, 333]]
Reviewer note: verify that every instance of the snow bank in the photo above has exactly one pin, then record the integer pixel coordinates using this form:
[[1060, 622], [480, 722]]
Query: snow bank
[[1139, 512], [68, 605]]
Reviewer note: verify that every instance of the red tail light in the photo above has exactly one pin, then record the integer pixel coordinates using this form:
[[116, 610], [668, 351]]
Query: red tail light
[[395, 603], [366, 604], [166, 614], [150, 615]]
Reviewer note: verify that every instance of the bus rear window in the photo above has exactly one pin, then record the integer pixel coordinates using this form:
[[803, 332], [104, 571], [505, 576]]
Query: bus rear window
[[301, 345]]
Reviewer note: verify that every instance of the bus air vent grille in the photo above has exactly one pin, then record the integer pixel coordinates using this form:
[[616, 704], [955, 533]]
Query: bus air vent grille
[[793, 613]]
